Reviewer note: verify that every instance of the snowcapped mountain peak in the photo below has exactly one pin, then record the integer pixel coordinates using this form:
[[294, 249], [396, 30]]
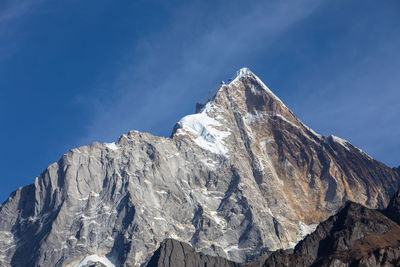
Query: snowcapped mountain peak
[[244, 72], [243, 80], [241, 176]]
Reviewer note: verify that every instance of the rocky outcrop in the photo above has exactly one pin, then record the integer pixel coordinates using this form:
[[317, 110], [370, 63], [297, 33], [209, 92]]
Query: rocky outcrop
[[241, 176], [173, 253]]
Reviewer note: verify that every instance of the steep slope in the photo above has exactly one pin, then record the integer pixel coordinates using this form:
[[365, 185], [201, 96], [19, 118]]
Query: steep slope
[[241, 176]]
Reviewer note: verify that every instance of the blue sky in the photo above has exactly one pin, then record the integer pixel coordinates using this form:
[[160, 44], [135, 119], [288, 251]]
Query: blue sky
[[73, 72]]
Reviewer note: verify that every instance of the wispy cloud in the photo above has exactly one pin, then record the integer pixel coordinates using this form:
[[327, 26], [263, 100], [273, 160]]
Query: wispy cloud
[[165, 73], [11, 24]]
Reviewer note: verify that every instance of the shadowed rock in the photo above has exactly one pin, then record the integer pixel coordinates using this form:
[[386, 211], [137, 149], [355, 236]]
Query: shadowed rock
[[173, 253]]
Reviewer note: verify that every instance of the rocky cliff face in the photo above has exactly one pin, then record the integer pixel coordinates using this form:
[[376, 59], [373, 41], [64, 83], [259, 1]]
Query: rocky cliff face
[[241, 176]]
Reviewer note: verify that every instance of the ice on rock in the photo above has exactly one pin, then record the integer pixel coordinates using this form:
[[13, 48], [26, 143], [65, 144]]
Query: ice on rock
[[111, 146], [346, 144], [304, 230], [286, 120], [204, 128], [341, 141], [244, 72], [320, 137], [95, 258]]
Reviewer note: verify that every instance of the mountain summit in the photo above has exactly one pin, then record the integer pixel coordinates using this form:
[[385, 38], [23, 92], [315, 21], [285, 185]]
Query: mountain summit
[[241, 176]]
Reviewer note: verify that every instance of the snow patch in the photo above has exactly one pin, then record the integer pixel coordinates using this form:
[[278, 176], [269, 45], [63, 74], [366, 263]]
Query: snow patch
[[346, 144], [160, 219], [260, 165], [242, 73], [286, 120], [245, 72], [6, 238], [312, 131], [111, 146], [95, 258], [220, 221], [230, 248], [365, 154], [291, 245], [203, 127], [256, 90], [251, 118], [173, 155], [172, 236], [161, 192], [270, 212], [341, 141], [304, 230]]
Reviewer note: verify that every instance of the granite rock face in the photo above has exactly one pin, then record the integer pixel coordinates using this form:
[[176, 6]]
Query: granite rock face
[[241, 176]]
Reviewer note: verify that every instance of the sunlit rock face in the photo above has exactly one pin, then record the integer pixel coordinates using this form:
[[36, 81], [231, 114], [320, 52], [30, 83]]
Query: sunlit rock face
[[241, 176]]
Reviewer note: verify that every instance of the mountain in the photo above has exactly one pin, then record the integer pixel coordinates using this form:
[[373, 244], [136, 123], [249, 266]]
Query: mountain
[[241, 176], [355, 236]]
